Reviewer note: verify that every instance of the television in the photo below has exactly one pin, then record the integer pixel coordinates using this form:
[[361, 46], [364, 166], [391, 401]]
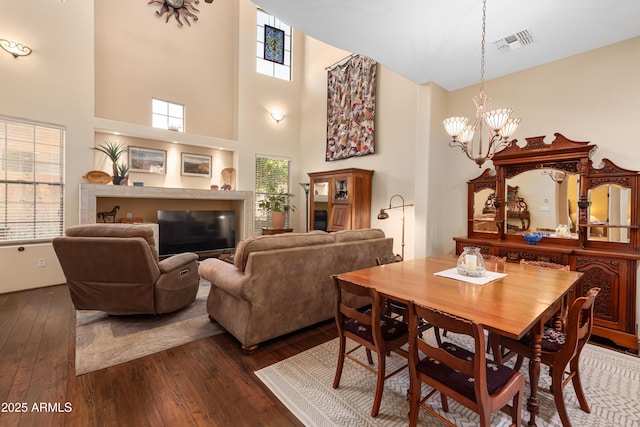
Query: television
[[196, 231]]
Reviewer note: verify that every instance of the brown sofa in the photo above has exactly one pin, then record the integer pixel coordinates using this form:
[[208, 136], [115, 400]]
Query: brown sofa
[[281, 283], [115, 268]]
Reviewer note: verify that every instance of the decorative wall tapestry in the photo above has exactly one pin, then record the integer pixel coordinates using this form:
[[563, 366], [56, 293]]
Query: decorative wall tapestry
[[351, 96]]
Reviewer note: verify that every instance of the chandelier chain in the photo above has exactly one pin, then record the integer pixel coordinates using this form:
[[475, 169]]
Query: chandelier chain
[[484, 19]]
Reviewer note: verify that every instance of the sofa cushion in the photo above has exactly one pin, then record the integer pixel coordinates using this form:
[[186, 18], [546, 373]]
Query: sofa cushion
[[113, 230], [363, 234], [277, 241]]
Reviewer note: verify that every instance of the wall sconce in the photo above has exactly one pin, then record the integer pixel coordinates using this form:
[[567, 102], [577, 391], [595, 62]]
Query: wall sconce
[[278, 117], [15, 49], [556, 176], [384, 215]]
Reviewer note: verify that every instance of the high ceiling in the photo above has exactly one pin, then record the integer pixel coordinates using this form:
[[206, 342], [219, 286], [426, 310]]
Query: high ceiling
[[439, 41]]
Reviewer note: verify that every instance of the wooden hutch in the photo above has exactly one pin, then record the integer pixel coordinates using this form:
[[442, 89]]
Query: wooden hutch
[[595, 210], [340, 199]]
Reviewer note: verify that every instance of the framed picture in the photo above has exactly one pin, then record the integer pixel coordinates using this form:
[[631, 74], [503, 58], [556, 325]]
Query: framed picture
[[147, 160], [273, 44], [196, 165]]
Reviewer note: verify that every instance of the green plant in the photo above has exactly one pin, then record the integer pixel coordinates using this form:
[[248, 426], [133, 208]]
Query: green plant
[[276, 201], [113, 150], [123, 169]]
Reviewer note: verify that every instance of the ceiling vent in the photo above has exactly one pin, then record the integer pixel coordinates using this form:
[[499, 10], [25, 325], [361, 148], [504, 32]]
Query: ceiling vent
[[514, 41]]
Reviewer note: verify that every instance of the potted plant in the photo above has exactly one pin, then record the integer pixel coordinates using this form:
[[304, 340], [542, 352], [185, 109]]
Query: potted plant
[[277, 204], [114, 150]]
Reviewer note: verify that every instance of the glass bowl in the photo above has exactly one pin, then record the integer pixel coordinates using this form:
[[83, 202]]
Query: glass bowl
[[532, 239]]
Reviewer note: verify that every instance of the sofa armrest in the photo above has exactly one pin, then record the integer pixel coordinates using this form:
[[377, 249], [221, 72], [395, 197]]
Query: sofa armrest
[[225, 276], [176, 261]]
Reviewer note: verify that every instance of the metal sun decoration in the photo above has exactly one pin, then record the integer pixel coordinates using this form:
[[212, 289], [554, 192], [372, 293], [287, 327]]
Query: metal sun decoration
[[178, 9]]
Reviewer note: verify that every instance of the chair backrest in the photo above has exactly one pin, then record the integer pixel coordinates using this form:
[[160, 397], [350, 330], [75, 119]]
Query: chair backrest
[[388, 259], [547, 264], [475, 368], [347, 293], [488, 257], [580, 321]]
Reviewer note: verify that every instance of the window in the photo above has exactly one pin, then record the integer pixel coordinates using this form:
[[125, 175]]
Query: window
[[31, 181], [273, 46], [167, 115], [270, 173]]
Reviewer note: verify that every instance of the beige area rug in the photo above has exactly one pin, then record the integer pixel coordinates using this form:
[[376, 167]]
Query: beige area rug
[[304, 384], [103, 340]]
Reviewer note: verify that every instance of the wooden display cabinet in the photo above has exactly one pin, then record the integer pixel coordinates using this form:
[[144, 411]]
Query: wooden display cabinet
[[340, 199], [596, 211]]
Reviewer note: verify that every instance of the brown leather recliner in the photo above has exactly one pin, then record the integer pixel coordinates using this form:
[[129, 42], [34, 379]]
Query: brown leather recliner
[[115, 268]]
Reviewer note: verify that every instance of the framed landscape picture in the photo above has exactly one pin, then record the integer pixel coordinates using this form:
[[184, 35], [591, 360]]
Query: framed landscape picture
[[147, 160], [196, 165]]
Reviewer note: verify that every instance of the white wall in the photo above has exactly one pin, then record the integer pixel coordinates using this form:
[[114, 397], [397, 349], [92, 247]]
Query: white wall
[[593, 96]]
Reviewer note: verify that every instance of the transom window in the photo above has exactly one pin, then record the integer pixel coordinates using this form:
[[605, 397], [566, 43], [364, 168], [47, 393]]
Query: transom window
[[31, 181], [167, 115], [271, 172], [273, 46]]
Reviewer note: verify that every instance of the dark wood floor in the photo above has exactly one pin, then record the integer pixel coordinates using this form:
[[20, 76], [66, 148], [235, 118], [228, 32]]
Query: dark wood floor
[[206, 383]]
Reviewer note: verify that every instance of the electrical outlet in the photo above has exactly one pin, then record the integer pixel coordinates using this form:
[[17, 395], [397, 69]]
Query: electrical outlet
[[42, 262]]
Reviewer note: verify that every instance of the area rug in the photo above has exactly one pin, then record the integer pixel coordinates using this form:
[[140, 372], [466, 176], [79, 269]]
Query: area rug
[[103, 340], [611, 381]]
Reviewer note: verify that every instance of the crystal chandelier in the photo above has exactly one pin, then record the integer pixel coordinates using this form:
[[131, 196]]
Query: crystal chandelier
[[500, 125]]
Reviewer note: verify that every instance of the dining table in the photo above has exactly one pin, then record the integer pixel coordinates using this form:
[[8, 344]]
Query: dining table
[[516, 300]]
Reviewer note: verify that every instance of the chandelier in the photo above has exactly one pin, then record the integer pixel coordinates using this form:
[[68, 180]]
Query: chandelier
[[500, 125]]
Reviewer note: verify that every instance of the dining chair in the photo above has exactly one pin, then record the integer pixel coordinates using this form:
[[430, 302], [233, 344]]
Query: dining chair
[[458, 373], [400, 308], [560, 319], [559, 350], [371, 329]]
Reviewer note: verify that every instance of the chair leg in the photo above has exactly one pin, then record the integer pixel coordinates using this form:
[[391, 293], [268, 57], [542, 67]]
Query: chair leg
[[336, 380], [516, 410], [436, 331], [379, 384], [577, 384], [414, 397], [558, 396], [518, 364], [369, 357]]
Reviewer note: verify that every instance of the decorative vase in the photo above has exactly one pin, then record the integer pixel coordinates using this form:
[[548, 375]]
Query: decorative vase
[[278, 219], [471, 262]]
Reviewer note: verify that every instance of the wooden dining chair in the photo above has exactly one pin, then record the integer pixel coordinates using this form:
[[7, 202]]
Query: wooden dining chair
[[560, 319], [559, 350], [399, 308], [457, 373], [371, 329]]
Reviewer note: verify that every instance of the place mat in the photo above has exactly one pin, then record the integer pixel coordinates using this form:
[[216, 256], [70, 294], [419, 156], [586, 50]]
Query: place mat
[[452, 273]]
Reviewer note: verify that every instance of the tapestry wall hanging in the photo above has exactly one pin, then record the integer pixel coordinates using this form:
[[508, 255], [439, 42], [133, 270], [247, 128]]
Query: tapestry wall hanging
[[351, 98]]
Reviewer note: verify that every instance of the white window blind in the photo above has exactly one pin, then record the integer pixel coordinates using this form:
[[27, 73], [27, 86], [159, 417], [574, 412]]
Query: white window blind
[[31, 181], [270, 173]]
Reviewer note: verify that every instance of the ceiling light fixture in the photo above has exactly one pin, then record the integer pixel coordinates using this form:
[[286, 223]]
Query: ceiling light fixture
[[500, 125], [15, 49]]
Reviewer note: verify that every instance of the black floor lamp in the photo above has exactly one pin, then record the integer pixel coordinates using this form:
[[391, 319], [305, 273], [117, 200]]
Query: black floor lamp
[[384, 215], [306, 185]]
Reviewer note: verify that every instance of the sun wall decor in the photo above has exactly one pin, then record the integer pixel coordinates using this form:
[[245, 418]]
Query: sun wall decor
[[178, 9]]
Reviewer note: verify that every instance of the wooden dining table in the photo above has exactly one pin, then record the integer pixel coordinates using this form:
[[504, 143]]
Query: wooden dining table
[[512, 306]]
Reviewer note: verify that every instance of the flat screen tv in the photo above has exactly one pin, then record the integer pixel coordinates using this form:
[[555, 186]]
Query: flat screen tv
[[196, 231]]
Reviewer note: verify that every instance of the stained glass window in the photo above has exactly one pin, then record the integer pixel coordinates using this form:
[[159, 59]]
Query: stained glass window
[[273, 53]]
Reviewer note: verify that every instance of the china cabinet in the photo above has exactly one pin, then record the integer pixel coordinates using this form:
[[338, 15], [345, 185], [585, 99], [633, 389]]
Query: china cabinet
[[596, 209], [340, 199]]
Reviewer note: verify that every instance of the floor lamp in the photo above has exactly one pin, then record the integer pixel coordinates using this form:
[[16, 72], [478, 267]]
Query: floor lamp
[[306, 185], [384, 215]]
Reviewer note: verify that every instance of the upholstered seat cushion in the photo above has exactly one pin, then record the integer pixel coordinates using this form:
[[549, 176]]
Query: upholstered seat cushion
[[497, 375], [391, 328], [552, 340]]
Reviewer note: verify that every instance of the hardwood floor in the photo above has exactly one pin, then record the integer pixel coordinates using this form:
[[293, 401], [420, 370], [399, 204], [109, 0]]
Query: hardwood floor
[[206, 383]]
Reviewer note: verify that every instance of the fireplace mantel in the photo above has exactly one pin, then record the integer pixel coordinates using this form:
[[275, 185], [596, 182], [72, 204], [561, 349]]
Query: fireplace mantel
[[242, 200]]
